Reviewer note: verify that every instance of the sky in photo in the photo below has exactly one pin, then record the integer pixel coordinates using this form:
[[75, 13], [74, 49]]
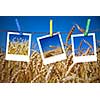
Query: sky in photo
[[78, 39], [16, 37], [50, 41]]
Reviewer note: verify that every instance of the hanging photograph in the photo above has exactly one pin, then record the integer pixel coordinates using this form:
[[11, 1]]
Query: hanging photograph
[[51, 48], [18, 46], [84, 48]]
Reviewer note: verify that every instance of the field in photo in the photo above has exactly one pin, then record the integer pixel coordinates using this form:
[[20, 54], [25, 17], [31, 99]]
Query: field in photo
[[83, 44], [51, 46], [18, 44]]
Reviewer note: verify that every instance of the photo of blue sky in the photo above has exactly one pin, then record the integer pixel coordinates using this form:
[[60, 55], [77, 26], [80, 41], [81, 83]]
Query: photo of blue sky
[[84, 46], [50, 41], [16, 38], [37, 24]]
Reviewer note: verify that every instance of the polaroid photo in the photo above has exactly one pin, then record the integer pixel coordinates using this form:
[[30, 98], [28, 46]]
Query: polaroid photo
[[84, 48], [51, 48], [18, 46]]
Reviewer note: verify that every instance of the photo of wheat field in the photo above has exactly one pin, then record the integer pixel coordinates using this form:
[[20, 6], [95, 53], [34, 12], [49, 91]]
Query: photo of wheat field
[[18, 44], [56, 51], [51, 46], [83, 44]]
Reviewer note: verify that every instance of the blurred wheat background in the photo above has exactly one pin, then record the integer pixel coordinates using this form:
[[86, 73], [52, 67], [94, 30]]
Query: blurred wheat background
[[36, 72]]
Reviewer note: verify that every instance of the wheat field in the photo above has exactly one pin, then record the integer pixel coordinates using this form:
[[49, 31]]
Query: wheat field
[[35, 72], [18, 48], [53, 52]]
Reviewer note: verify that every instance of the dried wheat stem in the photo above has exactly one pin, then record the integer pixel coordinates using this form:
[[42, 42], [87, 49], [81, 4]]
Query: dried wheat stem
[[14, 76], [69, 59], [69, 69], [48, 73], [41, 72], [88, 43]]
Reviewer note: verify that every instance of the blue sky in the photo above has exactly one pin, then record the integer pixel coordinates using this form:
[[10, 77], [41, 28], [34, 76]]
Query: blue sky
[[46, 42], [77, 41], [41, 24], [19, 37]]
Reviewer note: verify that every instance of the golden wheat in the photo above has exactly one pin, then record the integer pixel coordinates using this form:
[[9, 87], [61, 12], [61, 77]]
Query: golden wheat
[[59, 72], [18, 48]]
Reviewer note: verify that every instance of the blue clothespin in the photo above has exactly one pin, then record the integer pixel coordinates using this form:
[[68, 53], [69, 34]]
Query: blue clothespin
[[18, 26]]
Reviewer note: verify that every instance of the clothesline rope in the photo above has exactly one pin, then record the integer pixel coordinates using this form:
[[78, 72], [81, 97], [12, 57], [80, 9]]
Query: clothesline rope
[[97, 30]]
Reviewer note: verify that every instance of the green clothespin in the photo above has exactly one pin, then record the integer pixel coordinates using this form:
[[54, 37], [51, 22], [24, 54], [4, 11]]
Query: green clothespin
[[87, 27]]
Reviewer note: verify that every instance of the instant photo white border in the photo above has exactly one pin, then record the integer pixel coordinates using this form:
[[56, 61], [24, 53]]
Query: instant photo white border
[[14, 57], [88, 58], [55, 58]]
